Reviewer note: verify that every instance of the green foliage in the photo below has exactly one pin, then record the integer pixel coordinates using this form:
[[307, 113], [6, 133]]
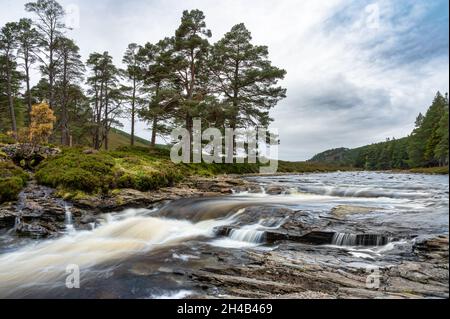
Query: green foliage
[[431, 170], [12, 180], [135, 168], [244, 75], [6, 139], [77, 171], [73, 172], [428, 145]]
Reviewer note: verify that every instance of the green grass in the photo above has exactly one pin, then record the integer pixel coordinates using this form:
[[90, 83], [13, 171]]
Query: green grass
[[139, 168], [309, 167], [12, 180], [430, 170], [73, 172], [118, 138], [77, 171]]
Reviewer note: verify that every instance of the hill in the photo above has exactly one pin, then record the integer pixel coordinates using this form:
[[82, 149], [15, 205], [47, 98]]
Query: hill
[[118, 138]]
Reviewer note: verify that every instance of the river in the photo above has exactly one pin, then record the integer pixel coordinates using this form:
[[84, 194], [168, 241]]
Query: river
[[194, 247]]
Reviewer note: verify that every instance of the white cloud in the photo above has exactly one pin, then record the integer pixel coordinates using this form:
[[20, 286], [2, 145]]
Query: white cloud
[[348, 83]]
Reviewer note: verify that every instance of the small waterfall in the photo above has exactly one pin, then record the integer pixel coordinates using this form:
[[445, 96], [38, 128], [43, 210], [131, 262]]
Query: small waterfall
[[256, 233], [263, 190], [68, 221], [345, 239], [17, 222], [247, 235]]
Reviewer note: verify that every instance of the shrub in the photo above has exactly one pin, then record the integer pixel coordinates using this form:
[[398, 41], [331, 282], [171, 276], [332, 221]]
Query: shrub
[[77, 171], [12, 180], [148, 181], [41, 127], [6, 139]]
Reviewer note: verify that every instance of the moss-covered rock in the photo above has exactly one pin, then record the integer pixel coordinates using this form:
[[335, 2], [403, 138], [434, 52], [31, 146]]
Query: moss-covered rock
[[12, 180], [75, 170]]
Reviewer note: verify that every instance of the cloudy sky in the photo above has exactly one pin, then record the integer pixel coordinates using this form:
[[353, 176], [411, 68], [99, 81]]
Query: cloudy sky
[[357, 71]]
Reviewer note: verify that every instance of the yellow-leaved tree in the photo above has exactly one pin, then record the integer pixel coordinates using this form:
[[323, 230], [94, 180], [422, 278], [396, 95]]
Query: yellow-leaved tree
[[41, 126]]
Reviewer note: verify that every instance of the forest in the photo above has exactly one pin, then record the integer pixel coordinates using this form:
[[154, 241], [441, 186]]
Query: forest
[[230, 83], [426, 146]]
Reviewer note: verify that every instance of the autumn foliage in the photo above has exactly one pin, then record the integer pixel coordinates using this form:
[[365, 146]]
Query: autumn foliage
[[41, 126]]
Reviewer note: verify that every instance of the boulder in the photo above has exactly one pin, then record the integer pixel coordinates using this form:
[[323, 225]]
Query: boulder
[[32, 230], [28, 155], [342, 211], [7, 218], [275, 190]]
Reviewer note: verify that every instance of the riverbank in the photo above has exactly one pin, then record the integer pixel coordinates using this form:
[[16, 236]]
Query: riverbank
[[77, 173]]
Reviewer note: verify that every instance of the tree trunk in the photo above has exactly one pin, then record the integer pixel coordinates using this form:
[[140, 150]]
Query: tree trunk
[[64, 115], [11, 99], [133, 111], [106, 127], [50, 70], [29, 97], [155, 123]]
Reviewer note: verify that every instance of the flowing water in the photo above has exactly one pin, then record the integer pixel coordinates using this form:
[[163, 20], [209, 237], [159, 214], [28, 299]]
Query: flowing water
[[146, 253]]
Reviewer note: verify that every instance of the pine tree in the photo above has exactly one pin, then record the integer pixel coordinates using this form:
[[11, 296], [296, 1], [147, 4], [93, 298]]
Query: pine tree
[[27, 38], [441, 149], [69, 72], [106, 97], [245, 78], [430, 127], [8, 46], [9, 74], [160, 86], [132, 73], [191, 49], [416, 145], [50, 25]]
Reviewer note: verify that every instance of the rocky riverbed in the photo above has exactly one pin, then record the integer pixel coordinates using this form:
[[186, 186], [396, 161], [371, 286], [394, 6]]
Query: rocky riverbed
[[341, 235]]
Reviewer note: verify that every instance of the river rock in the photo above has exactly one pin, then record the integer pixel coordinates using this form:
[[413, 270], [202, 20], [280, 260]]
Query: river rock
[[28, 155], [432, 248], [275, 190], [7, 218], [32, 230], [342, 211]]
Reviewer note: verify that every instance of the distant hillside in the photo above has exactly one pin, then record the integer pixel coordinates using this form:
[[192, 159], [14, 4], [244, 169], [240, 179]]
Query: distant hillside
[[118, 138], [426, 146], [392, 154], [336, 155]]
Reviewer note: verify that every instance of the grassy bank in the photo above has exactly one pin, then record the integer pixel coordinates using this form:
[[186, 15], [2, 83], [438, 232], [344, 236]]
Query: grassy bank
[[430, 170], [76, 171]]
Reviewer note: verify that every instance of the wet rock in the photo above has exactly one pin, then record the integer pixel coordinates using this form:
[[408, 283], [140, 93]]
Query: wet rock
[[342, 211], [7, 218], [275, 190], [223, 185], [272, 236], [89, 219], [318, 238], [28, 155], [432, 248], [32, 230]]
